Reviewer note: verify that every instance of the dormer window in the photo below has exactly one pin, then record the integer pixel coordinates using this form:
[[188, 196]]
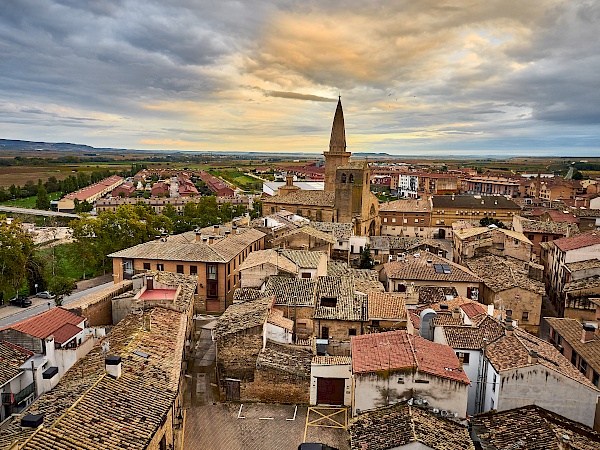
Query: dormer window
[[329, 302]]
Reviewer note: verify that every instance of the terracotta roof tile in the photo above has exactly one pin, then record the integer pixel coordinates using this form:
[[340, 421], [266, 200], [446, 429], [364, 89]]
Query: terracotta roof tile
[[532, 428], [468, 337], [417, 268], [571, 332], [395, 350], [400, 425], [12, 358], [66, 332], [276, 318], [242, 316], [386, 306], [331, 360], [46, 323], [579, 241], [308, 198]]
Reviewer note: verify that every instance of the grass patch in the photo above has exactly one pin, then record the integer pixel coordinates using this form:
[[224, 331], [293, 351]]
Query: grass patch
[[29, 202], [67, 262]]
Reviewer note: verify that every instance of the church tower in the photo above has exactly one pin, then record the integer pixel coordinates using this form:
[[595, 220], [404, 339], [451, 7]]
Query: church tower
[[337, 154]]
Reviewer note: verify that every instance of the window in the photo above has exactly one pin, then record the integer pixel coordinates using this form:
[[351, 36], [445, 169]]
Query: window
[[160, 267], [416, 220], [179, 268], [494, 383], [352, 332], [329, 302], [393, 220], [544, 238], [385, 219], [573, 358], [193, 270], [351, 178], [305, 274], [509, 313], [595, 378], [525, 315], [466, 357], [228, 285], [375, 323], [530, 237], [211, 271], [343, 178], [146, 266]]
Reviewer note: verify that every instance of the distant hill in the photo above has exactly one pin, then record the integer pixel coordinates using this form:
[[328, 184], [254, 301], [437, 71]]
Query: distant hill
[[14, 145]]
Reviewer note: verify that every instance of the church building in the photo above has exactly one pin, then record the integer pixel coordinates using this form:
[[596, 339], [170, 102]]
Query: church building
[[347, 196]]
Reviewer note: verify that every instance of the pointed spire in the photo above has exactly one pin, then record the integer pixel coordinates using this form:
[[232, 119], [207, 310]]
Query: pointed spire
[[337, 143]]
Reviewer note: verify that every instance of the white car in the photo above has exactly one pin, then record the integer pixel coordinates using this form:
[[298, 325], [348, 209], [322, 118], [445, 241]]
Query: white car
[[45, 294]]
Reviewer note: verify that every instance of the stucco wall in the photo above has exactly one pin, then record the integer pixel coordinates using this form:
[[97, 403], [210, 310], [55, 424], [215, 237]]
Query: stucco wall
[[370, 391], [548, 389], [331, 371]]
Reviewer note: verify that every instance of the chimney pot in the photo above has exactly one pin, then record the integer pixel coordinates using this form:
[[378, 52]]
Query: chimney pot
[[532, 358], [461, 360], [211, 240], [587, 333], [198, 236], [233, 229], [456, 313], [216, 229], [112, 365], [509, 330]]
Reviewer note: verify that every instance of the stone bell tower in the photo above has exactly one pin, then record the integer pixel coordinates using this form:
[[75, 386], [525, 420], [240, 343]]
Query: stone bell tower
[[337, 154]]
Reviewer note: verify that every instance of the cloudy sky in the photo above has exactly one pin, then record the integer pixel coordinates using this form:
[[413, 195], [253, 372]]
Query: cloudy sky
[[505, 77]]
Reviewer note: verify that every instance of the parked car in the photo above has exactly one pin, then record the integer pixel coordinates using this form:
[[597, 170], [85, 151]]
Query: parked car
[[45, 294], [23, 302], [315, 446]]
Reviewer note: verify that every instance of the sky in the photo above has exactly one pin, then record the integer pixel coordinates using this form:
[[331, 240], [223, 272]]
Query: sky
[[494, 77]]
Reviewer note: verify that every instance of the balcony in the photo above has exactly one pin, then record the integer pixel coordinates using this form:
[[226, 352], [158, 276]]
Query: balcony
[[25, 393]]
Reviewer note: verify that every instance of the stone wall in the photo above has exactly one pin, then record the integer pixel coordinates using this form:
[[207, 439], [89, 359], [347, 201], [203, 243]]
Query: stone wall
[[276, 386], [237, 354]]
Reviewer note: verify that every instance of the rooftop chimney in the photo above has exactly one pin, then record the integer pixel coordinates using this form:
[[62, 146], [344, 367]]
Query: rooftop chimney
[[32, 420], [233, 229], [216, 229], [509, 329], [198, 236], [532, 358], [456, 313], [461, 360], [211, 240], [157, 238], [112, 365], [587, 333], [429, 262]]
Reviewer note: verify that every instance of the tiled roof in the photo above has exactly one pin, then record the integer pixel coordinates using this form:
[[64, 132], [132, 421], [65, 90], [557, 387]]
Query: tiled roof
[[435, 294], [500, 274], [512, 352], [222, 250], [291, 291], [46, 323], [340, 231], [309, 230], [415, 319], [271, 257], [337, 268], [96, 188], [399, 425], [303, 258], [538, 226], [12, 358], [286, 358], [304, 198], [89, 410], [583, 284], [450, 202], [465, 233], [89, 299], [65, 332], [579, 241], [405, 206], [587, 212], [276, 318], [583, 265], [386, 306], [417, 268], [394, 350], [365, 281], [349, 305], [562, 216], [245, 295], [473, 338], [394, 242], [472, 309], [242, 316], [571, 332], [532, 428], [331, 360], [456, 302], [445, 318]]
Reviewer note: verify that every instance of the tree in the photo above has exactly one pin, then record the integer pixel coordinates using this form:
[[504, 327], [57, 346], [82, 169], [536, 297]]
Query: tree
[[17, 251], [61, 287], [486, 221], [366, 261], [577, 175], [42, 201]]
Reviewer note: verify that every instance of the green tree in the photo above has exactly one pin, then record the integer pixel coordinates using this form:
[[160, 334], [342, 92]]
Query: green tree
[[169, 211], [42, 201], [366, 260], [17, 251], [256, 209], [486, 221], [61, 287]]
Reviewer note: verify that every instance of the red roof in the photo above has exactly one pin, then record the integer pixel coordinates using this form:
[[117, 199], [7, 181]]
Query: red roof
[[561, 216], [400, 350], [578, 241], [47, 323], [472, 309], [65, 333], [87, 192]]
